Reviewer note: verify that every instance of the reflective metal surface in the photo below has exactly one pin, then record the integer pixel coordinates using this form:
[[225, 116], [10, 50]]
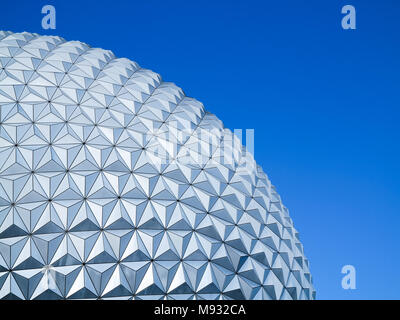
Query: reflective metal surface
[[114, 184]]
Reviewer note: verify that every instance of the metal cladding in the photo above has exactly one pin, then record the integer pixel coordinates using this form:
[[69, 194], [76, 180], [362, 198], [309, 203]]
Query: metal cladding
[[114, 184]]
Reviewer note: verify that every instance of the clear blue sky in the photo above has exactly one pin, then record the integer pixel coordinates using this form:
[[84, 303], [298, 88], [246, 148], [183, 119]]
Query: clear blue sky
[[324, 103]]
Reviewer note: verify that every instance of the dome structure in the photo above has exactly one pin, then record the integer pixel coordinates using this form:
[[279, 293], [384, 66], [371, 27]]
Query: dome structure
[[114, 184]]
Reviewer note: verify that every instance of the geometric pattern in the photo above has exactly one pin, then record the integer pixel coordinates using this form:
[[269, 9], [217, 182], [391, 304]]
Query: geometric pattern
[[115, 185]]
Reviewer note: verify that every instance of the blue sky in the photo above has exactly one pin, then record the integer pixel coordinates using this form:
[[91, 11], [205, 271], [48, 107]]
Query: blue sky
[[324, 103]]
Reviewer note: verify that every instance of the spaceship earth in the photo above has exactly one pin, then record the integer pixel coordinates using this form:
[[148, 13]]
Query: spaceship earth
[[115, 185]]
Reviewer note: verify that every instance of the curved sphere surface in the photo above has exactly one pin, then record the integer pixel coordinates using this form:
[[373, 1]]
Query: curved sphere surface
[[114, 184]]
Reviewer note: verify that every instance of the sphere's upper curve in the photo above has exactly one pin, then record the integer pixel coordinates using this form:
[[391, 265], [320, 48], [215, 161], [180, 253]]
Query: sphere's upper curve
[[114, 184]]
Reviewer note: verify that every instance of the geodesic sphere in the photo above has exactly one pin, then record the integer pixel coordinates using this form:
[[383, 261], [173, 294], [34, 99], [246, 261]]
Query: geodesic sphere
[[114, 184]]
